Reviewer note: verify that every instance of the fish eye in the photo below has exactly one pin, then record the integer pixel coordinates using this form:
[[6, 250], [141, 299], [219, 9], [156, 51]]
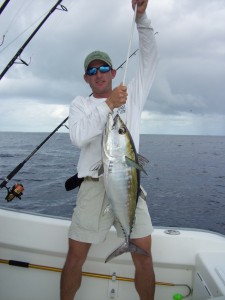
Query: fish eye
[[122, 130]]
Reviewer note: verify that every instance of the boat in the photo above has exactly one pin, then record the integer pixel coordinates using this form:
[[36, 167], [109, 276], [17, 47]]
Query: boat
[[188, 263]]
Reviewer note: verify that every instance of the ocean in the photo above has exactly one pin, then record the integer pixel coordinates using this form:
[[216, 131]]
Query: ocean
[[185, 181]]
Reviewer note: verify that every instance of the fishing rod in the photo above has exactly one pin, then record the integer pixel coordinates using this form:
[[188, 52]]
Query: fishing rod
[[4, 6], [17, 189], [18, 53]]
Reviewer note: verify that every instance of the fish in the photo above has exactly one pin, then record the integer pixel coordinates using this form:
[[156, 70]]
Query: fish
[[121, 167]]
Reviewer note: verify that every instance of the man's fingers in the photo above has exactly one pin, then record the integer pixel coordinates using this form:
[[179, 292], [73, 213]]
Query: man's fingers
[[141, 5]]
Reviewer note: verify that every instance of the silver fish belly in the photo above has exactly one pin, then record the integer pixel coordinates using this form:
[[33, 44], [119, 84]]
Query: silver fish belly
[[122, 179]]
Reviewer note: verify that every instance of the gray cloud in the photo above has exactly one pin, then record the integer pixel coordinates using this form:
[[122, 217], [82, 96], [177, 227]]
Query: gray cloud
[[189, 80]]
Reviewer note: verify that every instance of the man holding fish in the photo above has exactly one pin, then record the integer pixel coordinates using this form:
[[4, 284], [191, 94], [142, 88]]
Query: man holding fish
[[110, 193]]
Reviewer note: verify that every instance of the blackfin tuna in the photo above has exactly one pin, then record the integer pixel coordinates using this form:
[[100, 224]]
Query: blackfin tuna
[[121, 167]]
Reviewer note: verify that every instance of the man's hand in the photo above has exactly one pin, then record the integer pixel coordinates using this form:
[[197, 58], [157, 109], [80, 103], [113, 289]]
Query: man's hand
[[141, 6], [118, 97]]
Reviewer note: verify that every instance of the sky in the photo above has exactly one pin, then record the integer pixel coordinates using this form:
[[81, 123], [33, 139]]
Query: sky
[[188, 94]]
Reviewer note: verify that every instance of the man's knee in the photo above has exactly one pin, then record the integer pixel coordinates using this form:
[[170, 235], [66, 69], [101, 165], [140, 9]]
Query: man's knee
[[142, 262], [77, 252]]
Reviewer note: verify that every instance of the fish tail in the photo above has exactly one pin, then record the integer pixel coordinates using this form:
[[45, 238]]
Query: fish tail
[[126, 247]]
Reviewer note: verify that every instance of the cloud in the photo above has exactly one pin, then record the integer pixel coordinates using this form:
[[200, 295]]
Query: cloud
[[189, 82], [31, 116], [192, 48], [182, 124]]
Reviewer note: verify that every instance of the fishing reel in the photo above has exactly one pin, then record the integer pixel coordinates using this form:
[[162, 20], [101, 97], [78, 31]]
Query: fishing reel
[[15, 191]]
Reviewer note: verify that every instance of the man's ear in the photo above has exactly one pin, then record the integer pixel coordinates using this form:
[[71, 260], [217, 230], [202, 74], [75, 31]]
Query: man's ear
[[113, 73], [86, 78]]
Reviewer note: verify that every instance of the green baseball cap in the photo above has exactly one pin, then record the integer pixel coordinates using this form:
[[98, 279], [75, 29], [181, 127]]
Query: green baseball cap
[[97, 55]]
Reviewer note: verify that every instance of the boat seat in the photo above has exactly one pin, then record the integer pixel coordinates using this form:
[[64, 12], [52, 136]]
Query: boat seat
[[211, 267]]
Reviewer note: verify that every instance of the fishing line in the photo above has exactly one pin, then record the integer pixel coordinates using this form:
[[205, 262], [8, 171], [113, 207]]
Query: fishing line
[[129, 46], [16, 14], [3, 38], [17, 37], [14, 17], [58, 19], [122, 109], [29, 39]]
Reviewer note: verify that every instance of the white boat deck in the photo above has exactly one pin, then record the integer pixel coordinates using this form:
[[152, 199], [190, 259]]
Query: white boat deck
[[187, 262]]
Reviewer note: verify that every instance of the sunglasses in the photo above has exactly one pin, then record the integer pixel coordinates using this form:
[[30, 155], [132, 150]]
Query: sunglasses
[[103, 69]]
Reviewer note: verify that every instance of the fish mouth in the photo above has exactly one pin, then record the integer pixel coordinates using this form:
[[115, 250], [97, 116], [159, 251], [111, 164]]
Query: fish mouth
[[111, 122], [115, 124], [119, 125], [116, 120]]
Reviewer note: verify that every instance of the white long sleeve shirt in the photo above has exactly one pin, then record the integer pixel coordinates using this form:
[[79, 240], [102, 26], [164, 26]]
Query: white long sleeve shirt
[[88, 115]]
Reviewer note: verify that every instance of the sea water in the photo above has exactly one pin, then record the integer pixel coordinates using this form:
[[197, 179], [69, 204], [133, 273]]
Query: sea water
[[185, 181]]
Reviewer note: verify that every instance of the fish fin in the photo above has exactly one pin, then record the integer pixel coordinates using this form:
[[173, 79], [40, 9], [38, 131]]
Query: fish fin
[[133, 164], [98, 167], [142, 160], [101, 170], [124, 248]]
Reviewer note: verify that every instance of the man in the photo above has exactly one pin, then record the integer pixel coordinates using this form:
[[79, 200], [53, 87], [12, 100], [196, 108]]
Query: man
[[87, 118]]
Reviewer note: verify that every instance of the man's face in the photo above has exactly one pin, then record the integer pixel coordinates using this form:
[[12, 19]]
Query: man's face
[[100, 83]]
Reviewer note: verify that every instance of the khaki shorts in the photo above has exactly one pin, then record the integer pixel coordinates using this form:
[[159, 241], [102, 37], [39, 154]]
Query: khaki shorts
[[92, 217]]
